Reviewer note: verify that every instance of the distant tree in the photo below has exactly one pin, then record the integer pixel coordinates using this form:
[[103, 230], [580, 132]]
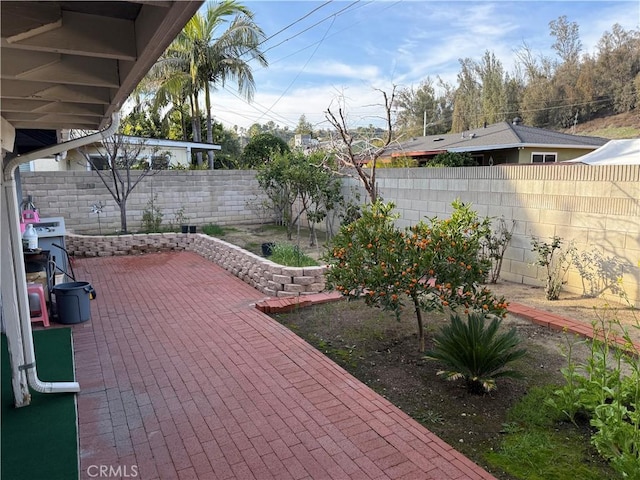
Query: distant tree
[[421, 109], [141, 122], [567, 96], [538, 99], [229, 156], [513, 91], [567, 44], [121, 166], [467, 110], [261, 149], [255, 129], [303, 126], [586, 85], [617, 64], [492, 88]]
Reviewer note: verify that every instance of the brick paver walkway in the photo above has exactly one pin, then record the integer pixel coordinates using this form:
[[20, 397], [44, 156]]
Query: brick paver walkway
[[183, 378]]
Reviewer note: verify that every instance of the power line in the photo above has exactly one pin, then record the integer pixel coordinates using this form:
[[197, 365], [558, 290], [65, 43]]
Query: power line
[[294, 23], [317, 43], [332, 16], [300, 72]]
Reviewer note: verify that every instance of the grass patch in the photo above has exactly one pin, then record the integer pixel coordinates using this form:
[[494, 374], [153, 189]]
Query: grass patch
[[253, 247], [214, 230], [290, 256], [538, 445], [616, 132]]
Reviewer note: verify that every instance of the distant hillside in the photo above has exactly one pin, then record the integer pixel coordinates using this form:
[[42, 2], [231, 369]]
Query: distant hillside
[[623, 125]]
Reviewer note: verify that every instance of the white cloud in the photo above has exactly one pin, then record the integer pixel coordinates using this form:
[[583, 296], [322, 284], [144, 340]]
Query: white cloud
[[338, 69]]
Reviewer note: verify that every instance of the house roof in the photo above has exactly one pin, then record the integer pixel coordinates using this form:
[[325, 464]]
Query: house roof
[[69, 64], [497, 136], [164, 142]]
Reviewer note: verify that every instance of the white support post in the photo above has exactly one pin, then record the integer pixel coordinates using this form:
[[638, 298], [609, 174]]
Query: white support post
[[10, 311]]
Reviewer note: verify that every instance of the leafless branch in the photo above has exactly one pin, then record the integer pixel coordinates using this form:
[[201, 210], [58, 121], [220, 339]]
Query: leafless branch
[[369, 149]]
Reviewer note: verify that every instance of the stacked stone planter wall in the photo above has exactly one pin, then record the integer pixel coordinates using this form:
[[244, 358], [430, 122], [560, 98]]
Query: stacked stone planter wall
[[264, 275], [110, 245]]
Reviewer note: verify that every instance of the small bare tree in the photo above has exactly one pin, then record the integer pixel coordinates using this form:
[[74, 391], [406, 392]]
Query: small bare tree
[[115, 160], [361, 152]]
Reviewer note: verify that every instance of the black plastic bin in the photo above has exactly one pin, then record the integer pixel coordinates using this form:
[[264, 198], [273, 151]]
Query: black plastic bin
[[267, 249], [72, 301]]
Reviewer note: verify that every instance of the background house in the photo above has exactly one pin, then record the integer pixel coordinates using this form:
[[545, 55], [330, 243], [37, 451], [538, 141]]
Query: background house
[[499, 143], [161, 153]]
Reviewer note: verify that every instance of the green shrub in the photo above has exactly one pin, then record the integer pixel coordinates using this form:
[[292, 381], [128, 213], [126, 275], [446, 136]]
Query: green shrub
[[556, 262], [454, 159], [151, 217], [213, 230], [606, 389], [476, 352], [290, 256]]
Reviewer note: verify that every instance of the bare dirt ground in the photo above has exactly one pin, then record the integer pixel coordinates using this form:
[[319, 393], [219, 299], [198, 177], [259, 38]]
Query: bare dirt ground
[[251, 237], [614, 313]]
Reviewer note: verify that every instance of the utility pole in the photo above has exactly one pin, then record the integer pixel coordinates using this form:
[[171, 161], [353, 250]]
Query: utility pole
[[424, 124]]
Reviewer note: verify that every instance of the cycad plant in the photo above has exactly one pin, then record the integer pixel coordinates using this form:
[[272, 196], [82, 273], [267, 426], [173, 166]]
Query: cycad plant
[[476, 352]]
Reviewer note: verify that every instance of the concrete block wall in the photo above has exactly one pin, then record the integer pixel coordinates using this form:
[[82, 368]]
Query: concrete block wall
[[222, 197], [264, 275], [593, 206]]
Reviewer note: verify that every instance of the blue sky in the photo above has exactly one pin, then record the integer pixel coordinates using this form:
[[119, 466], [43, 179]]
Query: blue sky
[[348, 51]]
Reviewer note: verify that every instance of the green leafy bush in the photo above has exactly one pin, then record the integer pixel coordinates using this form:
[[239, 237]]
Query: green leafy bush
[[290, 256], [606, 390], [556, 261], [495, 245], [476, 352], [213, 230], [151, 216], [453, 159]]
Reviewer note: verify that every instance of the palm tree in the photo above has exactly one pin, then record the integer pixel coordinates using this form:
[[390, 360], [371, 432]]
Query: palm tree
[[199, 59]]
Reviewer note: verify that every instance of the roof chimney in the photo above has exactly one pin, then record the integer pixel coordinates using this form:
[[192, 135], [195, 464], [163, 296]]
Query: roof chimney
[[517, 121]]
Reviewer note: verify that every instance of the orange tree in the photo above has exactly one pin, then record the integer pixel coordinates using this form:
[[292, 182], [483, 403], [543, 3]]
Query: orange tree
[[434, 265]]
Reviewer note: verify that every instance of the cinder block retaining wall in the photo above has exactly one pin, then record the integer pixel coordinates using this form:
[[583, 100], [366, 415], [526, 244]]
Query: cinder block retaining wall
[[268, 277], [594, 206], [223, 197]]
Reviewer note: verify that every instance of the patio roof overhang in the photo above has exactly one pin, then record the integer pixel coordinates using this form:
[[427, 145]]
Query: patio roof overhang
[[73, 64], [64, 65]]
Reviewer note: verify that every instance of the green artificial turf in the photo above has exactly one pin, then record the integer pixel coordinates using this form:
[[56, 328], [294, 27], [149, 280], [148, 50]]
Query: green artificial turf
[[40, 441]]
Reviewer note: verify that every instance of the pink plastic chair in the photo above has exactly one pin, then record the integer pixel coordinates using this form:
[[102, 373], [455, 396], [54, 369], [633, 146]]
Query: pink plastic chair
[[37, 304]]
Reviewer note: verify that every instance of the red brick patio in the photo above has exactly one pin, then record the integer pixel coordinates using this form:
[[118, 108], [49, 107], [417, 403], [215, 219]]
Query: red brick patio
[[183, 378]]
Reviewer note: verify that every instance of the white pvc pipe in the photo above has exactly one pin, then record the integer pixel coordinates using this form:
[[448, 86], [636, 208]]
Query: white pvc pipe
[[17, 253]]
